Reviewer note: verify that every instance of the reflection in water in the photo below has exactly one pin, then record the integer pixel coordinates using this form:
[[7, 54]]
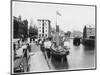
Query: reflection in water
[[80, 57], [58, 65], [86, 48]]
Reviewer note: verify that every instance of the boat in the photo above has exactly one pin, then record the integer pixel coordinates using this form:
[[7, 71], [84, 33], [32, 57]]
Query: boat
[[60, 53], [76, 41], [58, 50]]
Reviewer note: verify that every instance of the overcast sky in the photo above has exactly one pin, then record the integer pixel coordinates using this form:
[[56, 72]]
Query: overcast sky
[[73, 17]]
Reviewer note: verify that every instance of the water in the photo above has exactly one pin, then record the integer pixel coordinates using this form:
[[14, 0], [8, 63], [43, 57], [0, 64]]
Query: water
[[80, 57]]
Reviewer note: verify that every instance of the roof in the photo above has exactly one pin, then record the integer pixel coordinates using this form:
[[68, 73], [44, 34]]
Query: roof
[[90, 26], [43, 19]]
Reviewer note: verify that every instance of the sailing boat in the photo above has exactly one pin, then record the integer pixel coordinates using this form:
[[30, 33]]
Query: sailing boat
[[59, 51]]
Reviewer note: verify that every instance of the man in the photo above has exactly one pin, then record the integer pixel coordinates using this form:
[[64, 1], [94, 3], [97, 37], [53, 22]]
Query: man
[[47, 45]]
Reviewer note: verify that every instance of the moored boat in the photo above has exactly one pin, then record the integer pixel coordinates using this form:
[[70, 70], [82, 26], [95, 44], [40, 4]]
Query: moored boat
[[60, 53], [76, 41]]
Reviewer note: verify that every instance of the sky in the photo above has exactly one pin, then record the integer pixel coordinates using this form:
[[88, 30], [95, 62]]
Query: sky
[[73, 17]]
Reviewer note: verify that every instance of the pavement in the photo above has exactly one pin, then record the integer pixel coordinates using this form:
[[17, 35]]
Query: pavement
[[37, 61]]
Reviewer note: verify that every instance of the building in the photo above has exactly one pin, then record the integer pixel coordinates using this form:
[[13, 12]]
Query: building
[[44, 28], [89, 36], [20, 27], [89, 32]]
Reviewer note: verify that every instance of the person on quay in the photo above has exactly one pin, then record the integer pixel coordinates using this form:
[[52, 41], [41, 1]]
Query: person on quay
[[47, 45]]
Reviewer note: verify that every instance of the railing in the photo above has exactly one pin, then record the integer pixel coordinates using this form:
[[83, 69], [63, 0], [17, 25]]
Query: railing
[[20, 59]]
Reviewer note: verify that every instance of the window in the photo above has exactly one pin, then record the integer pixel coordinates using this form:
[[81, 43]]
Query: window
[[43, 30], [45, 23], [42, 35], [46, 35]]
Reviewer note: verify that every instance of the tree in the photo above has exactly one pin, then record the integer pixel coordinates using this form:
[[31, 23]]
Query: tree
[[33, 31], [20, 27]]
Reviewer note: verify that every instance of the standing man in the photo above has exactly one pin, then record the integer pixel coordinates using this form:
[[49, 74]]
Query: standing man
[[47, 45]]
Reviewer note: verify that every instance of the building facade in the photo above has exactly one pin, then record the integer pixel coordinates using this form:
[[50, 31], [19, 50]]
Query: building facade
[[44, 28], [89, 32], [20, 27]]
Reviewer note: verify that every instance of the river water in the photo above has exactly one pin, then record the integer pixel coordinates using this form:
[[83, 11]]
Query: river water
[[80, 57]]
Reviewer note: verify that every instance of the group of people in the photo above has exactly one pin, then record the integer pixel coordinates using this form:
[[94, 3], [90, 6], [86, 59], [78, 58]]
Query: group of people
[[23, 46], [21, 49], [48, 44]]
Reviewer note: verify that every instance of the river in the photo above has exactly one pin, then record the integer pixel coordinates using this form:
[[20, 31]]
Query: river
[[80, 57]]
